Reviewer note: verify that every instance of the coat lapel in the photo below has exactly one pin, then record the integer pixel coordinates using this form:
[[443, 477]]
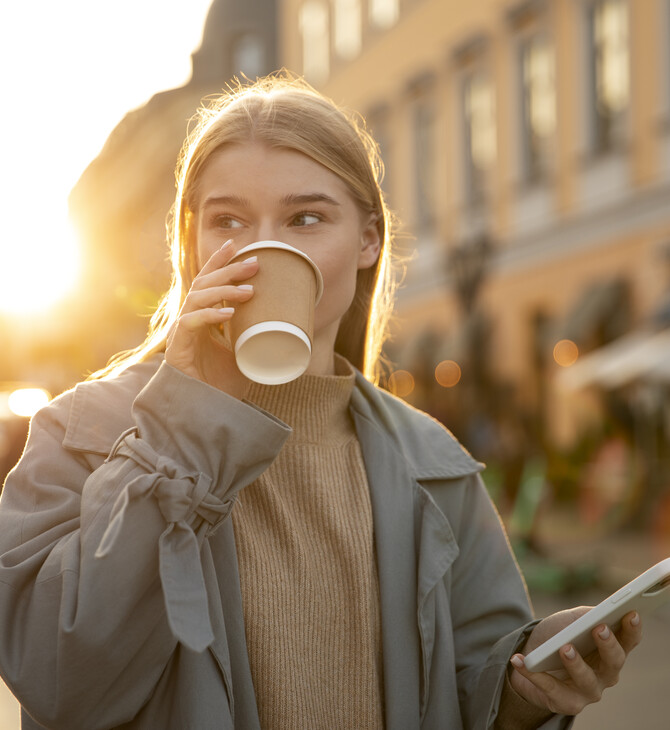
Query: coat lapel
[[414, 542], [231, 643], [392, 510]]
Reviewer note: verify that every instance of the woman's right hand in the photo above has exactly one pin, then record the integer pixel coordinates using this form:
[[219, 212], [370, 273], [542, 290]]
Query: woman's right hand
[[191, 347]]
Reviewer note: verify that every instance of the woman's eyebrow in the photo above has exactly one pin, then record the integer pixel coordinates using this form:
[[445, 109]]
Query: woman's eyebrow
[[235, 200], [305, 198]]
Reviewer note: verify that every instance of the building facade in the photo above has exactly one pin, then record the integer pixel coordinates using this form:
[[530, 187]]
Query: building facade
[[527, 151]]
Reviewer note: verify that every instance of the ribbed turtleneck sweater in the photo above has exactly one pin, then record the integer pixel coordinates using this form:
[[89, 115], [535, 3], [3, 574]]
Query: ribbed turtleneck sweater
[[308, 575]]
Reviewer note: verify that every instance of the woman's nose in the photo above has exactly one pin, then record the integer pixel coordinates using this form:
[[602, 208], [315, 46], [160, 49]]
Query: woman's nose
[[261, 232], [267, 231]]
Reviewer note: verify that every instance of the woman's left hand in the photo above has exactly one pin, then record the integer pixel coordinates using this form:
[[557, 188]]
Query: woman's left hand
[[583, 680]]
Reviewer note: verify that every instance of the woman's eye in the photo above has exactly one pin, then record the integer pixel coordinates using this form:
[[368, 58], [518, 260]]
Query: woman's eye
[[305, 219], [226, 221]]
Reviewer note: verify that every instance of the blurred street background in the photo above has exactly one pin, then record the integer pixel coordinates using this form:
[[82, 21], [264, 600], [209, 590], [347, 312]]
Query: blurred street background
[[527, 155]]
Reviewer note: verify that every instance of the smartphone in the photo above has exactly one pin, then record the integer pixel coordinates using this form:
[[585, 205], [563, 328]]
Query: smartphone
[[643, 594]]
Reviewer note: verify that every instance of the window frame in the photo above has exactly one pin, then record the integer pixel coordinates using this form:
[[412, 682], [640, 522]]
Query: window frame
[[347, 29], [602, 140], [535, 167], [322, 69], [476, 178]]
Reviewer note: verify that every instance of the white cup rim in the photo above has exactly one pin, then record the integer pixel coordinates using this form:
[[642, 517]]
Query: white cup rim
[[266, 327]]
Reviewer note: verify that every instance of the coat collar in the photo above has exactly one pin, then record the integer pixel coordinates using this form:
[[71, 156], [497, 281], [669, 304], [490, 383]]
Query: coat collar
[[100, 410], [429, 449]]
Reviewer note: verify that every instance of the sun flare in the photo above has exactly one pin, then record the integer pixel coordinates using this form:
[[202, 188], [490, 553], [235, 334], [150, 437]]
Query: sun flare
[[37, 273]]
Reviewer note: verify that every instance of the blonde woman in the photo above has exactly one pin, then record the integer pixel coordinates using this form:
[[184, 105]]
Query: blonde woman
[[182, 548]]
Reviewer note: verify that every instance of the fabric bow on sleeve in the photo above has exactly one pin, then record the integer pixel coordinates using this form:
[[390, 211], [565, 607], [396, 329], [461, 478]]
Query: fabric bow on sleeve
[[186, 503]]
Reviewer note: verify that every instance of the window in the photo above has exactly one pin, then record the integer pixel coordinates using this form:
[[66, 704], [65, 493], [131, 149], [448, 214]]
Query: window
[[538, 94], [249, 55], [379, 121], [313, 24], [347, 28], [423, 131], [664, 90], [610, 73], [480, 132], [384, 13]]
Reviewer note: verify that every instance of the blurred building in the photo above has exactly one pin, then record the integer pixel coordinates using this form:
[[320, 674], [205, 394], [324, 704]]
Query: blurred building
[[527, 150], [121, 202]]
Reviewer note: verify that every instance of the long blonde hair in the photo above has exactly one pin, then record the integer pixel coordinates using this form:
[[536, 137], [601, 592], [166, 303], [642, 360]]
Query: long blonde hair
[[283, 111]]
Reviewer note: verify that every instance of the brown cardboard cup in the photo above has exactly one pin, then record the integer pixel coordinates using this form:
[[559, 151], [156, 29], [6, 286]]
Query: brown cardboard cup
[[271, 334]]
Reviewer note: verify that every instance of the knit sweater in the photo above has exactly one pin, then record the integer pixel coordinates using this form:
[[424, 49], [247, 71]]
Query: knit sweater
[[308, 576]]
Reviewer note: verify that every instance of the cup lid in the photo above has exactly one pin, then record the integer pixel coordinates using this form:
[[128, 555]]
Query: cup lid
[[280, 244]]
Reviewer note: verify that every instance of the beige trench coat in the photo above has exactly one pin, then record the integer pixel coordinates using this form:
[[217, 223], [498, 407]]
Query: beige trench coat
[[120, 603]]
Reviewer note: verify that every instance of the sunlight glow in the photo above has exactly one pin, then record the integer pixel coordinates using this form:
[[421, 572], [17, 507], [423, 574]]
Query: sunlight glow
[[64, 92], [38, 272]]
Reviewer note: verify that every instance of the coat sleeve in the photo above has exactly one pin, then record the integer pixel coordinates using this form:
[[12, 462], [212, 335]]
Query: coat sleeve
[[100, 572], [490, 609]]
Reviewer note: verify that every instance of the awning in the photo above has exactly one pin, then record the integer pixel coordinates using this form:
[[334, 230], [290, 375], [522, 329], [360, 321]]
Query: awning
[[642, 355]]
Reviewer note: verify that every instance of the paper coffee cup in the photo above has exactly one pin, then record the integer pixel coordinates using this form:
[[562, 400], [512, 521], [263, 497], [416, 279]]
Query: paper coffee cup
[[271, 334]]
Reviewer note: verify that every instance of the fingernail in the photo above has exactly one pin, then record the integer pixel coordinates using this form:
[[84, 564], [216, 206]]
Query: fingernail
[[251, 260], [245, 287], [226, 310], [517, 661], [605, 633], [226, 244], [569, 653], [635, 619]]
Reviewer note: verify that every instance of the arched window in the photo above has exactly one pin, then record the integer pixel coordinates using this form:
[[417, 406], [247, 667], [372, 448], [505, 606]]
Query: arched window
[[384, 13], [610, 72], [314, 30], [538, 93], [480, 132], [347, 28], [249, 55]]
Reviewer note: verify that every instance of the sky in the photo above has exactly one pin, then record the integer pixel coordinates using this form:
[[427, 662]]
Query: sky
[[69, 72]]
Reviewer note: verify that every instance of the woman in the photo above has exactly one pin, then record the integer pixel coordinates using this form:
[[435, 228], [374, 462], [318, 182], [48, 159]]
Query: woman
[[182, 548]]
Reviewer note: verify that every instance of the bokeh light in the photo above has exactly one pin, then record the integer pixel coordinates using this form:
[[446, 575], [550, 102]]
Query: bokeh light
[[401, 383], [448, 373], [566, 353], [25, 402]]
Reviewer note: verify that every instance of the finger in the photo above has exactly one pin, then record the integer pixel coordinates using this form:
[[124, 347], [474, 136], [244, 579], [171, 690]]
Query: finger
[[186, 330], [611, 654], [219, 258], [193, 321], [587, 681], [208, 298], [217, 271], [558, 696], [630, 634], [230, 275]]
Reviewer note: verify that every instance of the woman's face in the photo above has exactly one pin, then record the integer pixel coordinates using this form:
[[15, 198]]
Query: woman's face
[[253, 192]]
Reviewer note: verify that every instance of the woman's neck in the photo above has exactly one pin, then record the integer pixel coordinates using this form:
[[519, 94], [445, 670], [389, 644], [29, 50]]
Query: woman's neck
[[322, 361]]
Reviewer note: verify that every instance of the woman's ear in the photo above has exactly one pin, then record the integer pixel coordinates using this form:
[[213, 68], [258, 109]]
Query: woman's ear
[[371, 243]]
